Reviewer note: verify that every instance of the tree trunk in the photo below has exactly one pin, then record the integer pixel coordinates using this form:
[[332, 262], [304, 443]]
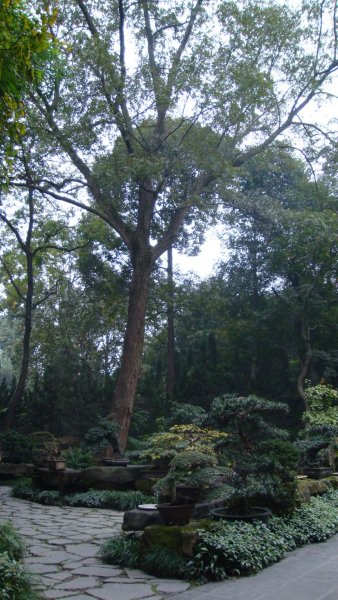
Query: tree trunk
[[20, 387], [170, 384], [124, 393]]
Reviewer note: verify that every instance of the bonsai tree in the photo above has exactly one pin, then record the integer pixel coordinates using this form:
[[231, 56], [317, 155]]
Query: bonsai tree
[[193, 468], [263, 460], [102, 437], [163, 447]]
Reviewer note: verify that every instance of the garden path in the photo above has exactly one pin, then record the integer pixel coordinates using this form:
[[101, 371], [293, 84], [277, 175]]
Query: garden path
[[62, 545]]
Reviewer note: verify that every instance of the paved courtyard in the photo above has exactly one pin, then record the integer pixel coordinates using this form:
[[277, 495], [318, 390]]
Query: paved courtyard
[[62, 545]]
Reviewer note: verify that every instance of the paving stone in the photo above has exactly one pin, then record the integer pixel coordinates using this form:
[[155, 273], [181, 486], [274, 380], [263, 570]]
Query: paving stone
[[39, 569], [131, 591], [58, 594], [59, 576], [79, 583], [85, 550], [137, 574], [172, 587], [98, 571]]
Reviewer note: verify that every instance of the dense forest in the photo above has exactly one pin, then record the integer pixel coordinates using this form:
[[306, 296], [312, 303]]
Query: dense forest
[[133, 131]]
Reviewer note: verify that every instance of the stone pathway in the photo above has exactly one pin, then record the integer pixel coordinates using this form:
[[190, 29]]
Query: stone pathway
[[62, 545]]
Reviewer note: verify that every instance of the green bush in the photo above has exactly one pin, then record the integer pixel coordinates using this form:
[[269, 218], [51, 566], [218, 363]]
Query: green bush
[[113, 499], [23, 488], [164, 562], [123, 550], [77, 458], [15, 583], [228, 549], [16, 447], [236, 548], [11, 542]]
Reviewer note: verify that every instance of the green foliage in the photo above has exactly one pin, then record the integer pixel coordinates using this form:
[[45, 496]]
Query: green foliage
[[16, 446], [163, 562], [113, 499], [185, 413], [11, 542], [323, 405], [236, 549], [23, 488], [264, 462], [165, 446], [77, 458], [15, 583], [98, 438], [123, 550], [321, 426]]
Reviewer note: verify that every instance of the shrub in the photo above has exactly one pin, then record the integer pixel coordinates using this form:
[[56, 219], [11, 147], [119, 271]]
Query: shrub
[[123, 550], [11, 542], [15, 583], [16, 446], [235, 549], [113, 499], [164, 562], [77, 458], [23, 488], [98, 438]]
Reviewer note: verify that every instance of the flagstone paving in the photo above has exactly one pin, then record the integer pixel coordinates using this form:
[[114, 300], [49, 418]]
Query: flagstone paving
[[62, 547]]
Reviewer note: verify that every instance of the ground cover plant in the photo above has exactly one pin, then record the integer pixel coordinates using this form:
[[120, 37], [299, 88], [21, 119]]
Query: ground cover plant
[[228, 549], [15, 583], [114, 499]]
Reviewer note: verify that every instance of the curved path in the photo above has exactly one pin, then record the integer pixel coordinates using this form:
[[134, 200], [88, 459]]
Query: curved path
[[62, 545]]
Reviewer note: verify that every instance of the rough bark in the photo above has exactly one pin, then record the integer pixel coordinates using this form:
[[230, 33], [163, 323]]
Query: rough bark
[[170, 384], [125, 390]]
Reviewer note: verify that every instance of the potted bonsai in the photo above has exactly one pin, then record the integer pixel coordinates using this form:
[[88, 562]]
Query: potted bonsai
[[46, 451], [102, 441], [191, 452], [262, 460]]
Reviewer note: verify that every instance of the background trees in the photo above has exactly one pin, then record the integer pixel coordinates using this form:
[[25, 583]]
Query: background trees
[[152, 140]]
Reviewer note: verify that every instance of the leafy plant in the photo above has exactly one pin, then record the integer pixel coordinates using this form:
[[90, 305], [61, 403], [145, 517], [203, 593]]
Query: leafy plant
[[123, 550], [233, 549], [99, 438], [114, 499], [15, 583], [77, 458], [196, 468], [321, 427], [164, 562], [11, 542], [164, 446], [16, 447], [256, 450]]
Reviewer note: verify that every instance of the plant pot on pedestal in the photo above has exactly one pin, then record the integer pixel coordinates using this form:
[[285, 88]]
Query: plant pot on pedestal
[[175, 514], [254, 513], [56, 464]]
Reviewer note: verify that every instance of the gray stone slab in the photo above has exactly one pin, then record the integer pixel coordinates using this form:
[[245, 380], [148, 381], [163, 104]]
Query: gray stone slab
[[57, 594], [85, 550], [171, 587], [98, 571], [118, 591], [79, 583], [39, 569]]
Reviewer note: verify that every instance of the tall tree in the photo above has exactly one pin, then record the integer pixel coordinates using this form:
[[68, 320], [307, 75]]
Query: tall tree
[[155, 133]]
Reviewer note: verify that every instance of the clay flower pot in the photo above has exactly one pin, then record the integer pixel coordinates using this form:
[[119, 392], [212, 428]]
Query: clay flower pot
[[56, 464]]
